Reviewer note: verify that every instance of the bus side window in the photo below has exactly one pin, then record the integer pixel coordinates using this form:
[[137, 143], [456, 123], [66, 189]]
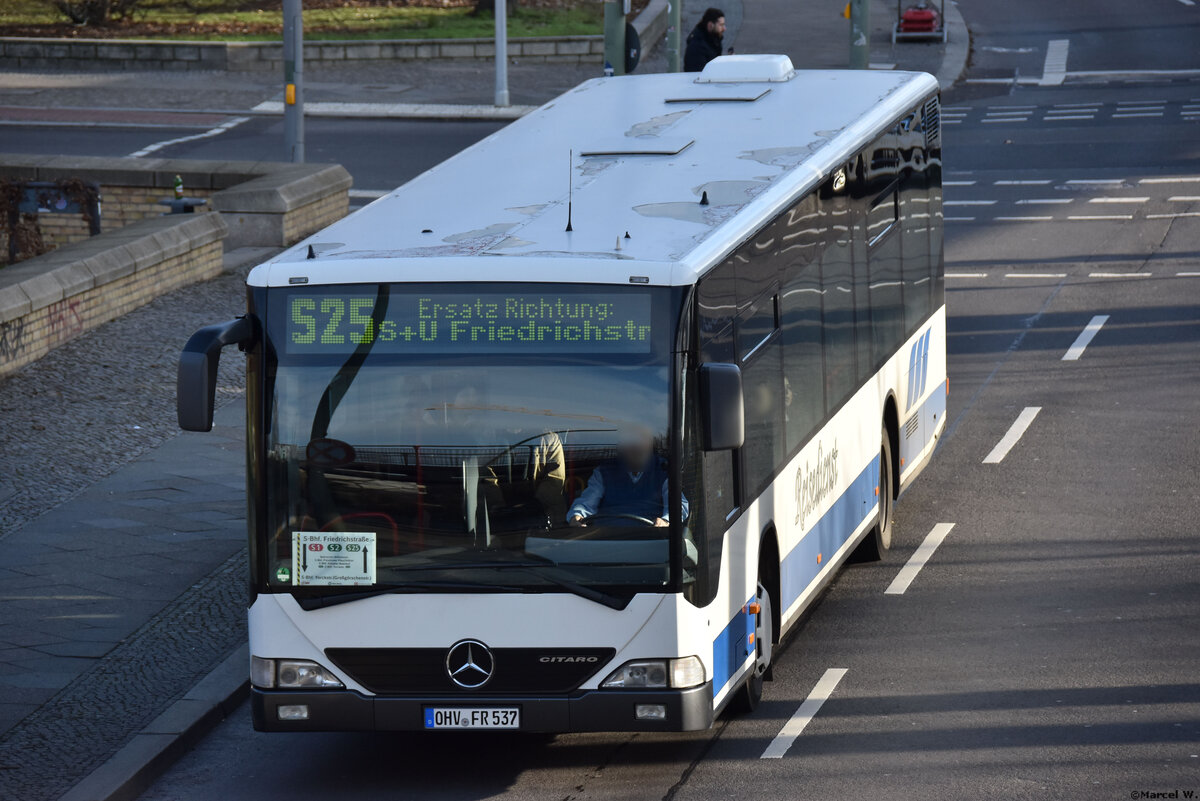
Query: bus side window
[[803, 365], [837, 295], [763, 388]]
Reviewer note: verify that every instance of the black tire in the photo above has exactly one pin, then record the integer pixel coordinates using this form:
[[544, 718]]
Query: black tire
[[750, 694], [878, 541]]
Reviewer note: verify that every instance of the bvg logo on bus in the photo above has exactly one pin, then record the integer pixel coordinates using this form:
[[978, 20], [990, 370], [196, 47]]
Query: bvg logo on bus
[[918, 369], [815, 481]]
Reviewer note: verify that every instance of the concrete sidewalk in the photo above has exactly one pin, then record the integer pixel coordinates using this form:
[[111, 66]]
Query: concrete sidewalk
[[813, 33]]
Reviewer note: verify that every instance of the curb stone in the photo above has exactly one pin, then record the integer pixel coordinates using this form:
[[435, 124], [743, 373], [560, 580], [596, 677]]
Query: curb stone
[[127, 773], [958, 47]]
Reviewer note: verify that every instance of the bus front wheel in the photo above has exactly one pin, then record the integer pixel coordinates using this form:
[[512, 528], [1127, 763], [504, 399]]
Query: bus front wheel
[[750, 694], [879, 538]]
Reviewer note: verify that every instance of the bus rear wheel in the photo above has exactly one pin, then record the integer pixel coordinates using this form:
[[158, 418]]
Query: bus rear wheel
[[750, 693], [879, 539]]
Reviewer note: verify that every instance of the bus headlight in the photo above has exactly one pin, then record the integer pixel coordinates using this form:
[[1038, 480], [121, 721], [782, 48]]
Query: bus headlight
[[649, 674], [290, 674]]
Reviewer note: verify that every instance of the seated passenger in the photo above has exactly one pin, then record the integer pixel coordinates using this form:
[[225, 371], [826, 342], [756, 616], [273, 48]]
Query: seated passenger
[[635, 483]]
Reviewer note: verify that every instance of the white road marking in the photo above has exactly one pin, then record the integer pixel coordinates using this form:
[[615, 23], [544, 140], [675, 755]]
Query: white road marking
[[1140, 102], [969, 203], [969, 275], [1048, 118], [220, 129], [803, 716], [917, 561], [956, 108], [371, 194], [1022, 219], [1054, 70], [1035, 275], [1130, 74], [951, 122], [1119, 275], [1008, 119], [1187, 275], [1120, 116], [1173, 216], [1011, 108], [1098, 217], [1021, 183], [1085, 336], [1006, 443], [958, 183], [959, 219], [1045, 201], [1184, 199], [1182, 179], [1095, 181], [1119, 200], [1188, 2], [1093, 106]]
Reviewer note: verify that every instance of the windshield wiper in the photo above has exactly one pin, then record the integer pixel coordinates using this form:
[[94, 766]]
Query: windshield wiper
[[555, 577], [562, 582], [320, 601]]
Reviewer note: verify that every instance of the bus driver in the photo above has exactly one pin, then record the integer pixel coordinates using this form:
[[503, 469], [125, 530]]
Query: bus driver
[[633, 486]]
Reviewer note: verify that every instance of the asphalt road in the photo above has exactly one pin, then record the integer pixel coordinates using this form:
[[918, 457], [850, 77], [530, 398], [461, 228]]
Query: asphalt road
[[1049, 647]]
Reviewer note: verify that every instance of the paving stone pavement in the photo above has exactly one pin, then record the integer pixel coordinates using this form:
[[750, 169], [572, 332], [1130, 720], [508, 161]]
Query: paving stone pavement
[[109, 516]]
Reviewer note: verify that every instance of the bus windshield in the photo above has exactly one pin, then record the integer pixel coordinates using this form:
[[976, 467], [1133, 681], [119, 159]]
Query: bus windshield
[[432, 438]]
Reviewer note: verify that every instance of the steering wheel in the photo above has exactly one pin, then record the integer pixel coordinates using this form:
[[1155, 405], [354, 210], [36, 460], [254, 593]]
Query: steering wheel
[[620, 516]]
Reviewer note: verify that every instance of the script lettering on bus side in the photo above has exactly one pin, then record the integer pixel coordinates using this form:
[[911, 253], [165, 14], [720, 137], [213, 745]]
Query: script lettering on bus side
[[815, 481]]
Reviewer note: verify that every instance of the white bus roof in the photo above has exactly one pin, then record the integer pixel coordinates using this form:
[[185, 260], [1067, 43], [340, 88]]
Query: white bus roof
[[646, 150]]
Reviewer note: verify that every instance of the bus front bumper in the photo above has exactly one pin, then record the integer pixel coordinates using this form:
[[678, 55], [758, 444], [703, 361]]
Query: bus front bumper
[[585, 710]]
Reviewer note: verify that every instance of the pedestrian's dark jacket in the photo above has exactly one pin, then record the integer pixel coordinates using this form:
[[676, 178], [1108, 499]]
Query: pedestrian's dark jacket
[[702, 47]]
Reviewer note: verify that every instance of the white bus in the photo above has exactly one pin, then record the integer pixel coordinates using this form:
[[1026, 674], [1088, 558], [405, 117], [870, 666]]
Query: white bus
[[566, 433]]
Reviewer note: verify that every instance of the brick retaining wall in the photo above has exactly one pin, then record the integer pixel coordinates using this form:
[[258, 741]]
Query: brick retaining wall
[[49, 300]]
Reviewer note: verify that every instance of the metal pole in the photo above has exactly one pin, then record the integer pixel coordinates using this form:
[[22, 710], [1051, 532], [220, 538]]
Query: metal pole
[[674, 39], [293, 80], [501, 12], [860, 34], [614, 36]]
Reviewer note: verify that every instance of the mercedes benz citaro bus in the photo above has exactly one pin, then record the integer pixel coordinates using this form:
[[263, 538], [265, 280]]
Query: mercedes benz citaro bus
[[565, 433]]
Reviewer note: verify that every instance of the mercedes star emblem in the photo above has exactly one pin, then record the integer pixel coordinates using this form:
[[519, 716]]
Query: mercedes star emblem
[[470, 664]]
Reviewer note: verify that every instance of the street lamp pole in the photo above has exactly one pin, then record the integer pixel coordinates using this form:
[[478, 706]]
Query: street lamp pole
[[502, 53], [674, 26], [860, 38], [293, 80]]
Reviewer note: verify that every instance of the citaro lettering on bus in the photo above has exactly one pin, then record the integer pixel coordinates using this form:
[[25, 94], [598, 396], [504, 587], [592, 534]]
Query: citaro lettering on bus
[[815, 481]]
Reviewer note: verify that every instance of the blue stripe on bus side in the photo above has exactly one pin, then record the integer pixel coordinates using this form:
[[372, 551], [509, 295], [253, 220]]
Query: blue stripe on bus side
[[732, 647], [810, 556]]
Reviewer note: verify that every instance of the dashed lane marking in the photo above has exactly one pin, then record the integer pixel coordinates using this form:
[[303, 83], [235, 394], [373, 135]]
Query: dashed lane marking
[[803, 716], [1035, 275], [917, 561], [958, 183], [1045, 201], [1023, 219], [1013, 435], [1173, 216], [1085, 336], [1175, 179], [1120, 275], [1024, 182], [1098, 217], [1119, 200], [972, 275], [1184, 199], [969, 203]]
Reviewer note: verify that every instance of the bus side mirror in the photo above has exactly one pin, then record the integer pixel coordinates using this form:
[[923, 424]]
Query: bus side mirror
[[723, 417], [196, 383]]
